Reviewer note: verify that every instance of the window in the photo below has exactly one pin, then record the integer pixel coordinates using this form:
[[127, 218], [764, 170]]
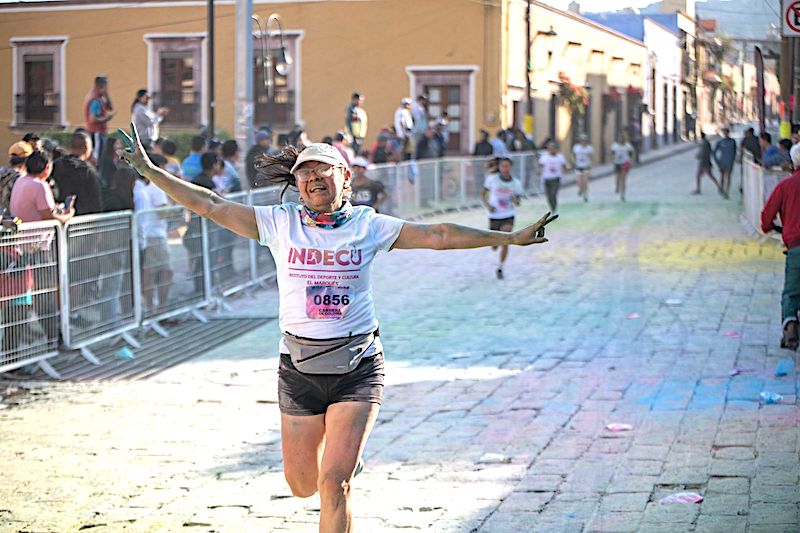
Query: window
[[38, 82], [446, 99], [176, 78], [280, 109]]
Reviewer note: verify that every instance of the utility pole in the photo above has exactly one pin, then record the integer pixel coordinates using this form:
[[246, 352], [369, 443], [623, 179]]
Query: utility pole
[[527, 124], [211, 104], [243, 65]]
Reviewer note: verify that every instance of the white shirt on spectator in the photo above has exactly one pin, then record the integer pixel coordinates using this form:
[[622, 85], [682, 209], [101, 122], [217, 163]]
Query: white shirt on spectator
[[147, 197]]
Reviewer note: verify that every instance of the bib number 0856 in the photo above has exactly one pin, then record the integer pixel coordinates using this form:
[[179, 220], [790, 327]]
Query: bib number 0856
[[331, 299]]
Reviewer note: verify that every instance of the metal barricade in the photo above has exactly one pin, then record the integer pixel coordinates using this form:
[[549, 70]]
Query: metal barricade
[[171, 263], [751, 193], [29, 296], [97, 296], [228, 265], [386, 173], [262, 264]]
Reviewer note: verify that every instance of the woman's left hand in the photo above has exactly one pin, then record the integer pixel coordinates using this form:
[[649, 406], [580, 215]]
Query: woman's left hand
[[533, 234], [134, 153]]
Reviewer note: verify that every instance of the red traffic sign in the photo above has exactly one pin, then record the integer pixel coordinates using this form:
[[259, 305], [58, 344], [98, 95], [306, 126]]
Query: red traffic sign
[[791, 18]]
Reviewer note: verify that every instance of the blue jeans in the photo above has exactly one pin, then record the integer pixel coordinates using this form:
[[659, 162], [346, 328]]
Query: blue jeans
[[790, 300]]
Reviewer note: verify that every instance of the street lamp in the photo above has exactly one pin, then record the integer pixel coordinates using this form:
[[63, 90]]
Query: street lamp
[[284, 62]]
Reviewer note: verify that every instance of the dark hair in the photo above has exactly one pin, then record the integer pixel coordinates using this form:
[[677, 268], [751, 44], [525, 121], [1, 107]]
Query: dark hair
[[139, 94], [786, 143], [123, 180], [750, 130], [208, 160], [169, 147], [198, 143], [767, 137], [339, 136], [37, 162], [501, 159], [31, 137], [79, 141], [100, 80], [229, 148], [355, 95], [277, 169], [158, 160], [327, 139]]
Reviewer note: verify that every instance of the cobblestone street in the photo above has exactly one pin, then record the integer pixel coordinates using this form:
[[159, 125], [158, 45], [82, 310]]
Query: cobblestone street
[[662, 313]]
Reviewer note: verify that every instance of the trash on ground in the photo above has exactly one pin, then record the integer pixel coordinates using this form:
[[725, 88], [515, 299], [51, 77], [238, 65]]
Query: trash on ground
[[733, 334], [771, 397], [673, 301], [494, 459], [124, 353], [784, 367], [633, 316], [616, 427], [681, 497]]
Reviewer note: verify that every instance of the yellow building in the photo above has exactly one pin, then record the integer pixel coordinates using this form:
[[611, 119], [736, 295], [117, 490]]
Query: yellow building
[[468, 56]]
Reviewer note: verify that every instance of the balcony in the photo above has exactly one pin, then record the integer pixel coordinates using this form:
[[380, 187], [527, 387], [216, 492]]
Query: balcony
[[38, 109], [184, 108]]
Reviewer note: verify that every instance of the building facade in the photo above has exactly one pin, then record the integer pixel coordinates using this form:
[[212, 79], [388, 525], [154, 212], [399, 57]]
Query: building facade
[[384, 50]]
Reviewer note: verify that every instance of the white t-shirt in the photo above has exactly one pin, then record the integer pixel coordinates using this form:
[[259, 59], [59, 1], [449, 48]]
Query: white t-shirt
[[150, 225], [583, 155], [622, 153], [552, 165], [325, 275], [501, 195]]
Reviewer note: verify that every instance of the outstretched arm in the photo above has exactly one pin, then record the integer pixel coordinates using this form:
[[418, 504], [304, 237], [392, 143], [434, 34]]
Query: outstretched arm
[[456, 237], [236, 217]]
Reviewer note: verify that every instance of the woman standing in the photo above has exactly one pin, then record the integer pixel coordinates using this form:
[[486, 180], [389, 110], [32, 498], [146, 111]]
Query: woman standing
[[621, 152], [330, 375], [146, 120]]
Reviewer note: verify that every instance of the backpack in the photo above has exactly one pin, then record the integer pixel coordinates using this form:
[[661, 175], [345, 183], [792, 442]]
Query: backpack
[[8, 177]]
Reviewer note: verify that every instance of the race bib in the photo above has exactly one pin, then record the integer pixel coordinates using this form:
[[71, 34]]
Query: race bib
[[327, 302]]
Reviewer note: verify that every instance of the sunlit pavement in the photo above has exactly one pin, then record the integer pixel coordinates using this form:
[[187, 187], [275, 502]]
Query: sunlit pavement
[[497, 400]]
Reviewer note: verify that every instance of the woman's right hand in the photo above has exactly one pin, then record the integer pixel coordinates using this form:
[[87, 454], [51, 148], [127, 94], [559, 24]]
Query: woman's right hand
[[134, 153]]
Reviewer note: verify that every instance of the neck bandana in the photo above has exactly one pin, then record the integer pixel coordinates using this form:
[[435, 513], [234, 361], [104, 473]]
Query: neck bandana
[[326, 220]]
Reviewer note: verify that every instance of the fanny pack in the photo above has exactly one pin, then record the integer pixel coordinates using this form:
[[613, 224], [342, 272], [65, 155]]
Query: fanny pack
[[329, 356]]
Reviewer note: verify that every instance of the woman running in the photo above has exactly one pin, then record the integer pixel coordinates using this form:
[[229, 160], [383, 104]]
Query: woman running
[[330, 374], [621, 152]]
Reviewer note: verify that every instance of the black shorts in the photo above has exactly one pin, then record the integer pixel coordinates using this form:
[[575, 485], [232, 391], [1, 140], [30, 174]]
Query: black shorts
[[310, 394], [496, 223]]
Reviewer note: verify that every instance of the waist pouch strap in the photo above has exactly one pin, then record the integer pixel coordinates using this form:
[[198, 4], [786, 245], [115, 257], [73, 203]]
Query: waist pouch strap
[[328, 356]]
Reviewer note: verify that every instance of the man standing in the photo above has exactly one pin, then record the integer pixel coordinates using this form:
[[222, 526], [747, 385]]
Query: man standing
[[262, 146], [501, 192], [356, 121], [725, 156], [750, 144], [785, 201], [499, 146], [704, 164], [73, 175], [98, 110], [146, 120], [365, 191], [191, 166], [419, 114], [483, 147], [771, 155], [404, 126], [230, 177]]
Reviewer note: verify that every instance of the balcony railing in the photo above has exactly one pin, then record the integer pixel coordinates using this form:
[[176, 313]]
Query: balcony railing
[[184, 108], [43, 109]]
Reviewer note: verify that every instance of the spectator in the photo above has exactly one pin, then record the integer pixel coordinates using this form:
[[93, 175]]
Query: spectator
[[210, 163], [365, 191], [168, 149], [32, 200], [340, 143], [521, 143], [483, 147], [404, 126], [98, 111], [356, 121], [784, 146], [262, 146], [230, 155], [152, 232], [704, 153], [427, 146], [18, 156], [725, 156], [145, 120], [33, 140], [381, 151], [750, 144], [419, 115], [441, 136], [107, 165], [73, 175], [191, 167], [771, 155], [785, 201], [118, 196], [635, 135], [499, 147]]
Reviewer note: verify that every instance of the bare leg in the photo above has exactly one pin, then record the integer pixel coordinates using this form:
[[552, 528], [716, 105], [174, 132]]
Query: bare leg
[[347, 427], [302, 441], [622, 178]]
